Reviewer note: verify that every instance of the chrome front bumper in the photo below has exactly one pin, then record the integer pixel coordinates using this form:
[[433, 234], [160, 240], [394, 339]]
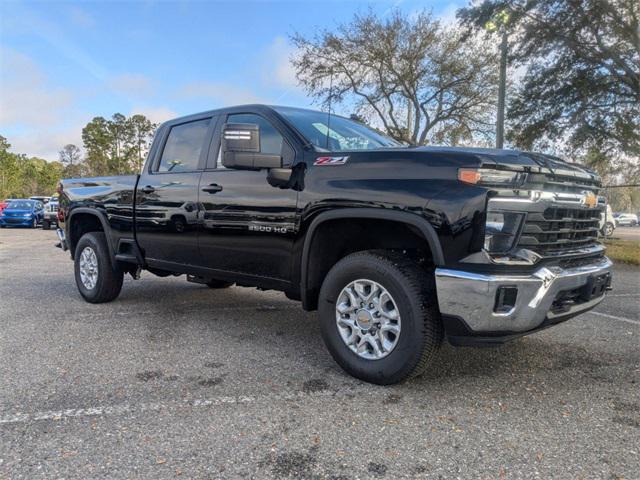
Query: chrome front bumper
[[471, 297]]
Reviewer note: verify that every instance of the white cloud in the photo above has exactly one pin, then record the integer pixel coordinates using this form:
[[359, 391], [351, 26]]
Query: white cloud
[[81, 18], [132, 84], [37, 119], [155, 114], [25, 99], [46, 144], [223, 94], [276, 64]]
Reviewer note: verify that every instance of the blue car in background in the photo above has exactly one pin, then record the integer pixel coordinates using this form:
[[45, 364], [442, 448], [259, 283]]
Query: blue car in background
[[22, 213]]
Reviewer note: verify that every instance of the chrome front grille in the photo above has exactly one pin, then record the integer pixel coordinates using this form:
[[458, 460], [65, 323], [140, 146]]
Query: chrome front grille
[[560, 229]]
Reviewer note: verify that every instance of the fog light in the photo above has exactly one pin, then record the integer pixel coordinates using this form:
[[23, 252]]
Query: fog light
[[501, 231], [505, 299]]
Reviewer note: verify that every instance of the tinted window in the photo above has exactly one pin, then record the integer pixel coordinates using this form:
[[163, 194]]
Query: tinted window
[[184, 144], [335, 133], [21, 205], [270, 138]]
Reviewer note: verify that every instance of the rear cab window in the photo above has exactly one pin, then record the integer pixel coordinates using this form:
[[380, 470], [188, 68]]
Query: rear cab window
[[183, 147]]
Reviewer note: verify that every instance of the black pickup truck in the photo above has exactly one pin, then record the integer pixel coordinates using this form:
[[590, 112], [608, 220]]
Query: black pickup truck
[[397, 247]]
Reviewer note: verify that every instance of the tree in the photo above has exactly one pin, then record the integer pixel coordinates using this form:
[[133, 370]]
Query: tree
[[96, 137], [71, 159], [22, 177], [582, 82], [9, 170], [422, 82], [142, 134], [118, 145]]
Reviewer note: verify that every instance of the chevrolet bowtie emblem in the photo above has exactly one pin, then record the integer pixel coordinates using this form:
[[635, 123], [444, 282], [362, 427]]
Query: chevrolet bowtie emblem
[[590, 200]]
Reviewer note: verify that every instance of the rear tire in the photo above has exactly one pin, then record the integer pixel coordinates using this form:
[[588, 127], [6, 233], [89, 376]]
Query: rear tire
[[97, 279], [213, 283], [46, 225], [410, 291]]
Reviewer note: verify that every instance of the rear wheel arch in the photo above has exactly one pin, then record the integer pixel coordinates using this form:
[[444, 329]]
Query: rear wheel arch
[[85, 220], [411, 228]]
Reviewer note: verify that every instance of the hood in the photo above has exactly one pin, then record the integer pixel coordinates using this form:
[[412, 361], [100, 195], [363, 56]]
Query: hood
[[518, 160], [16, 211]]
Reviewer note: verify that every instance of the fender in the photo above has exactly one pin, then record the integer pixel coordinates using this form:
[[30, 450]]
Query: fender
[[425, 228], [102, 217]]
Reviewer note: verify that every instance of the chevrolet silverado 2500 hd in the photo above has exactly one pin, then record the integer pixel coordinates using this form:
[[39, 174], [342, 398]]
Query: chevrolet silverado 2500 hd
[[397, 247]]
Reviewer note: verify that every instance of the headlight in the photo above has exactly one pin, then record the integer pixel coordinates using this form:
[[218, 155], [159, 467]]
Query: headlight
[[491, 177], [501, 231], [26, 215]]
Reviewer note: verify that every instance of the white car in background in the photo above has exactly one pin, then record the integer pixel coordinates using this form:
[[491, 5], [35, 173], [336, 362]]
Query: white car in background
[[50, 213], [626, 219]]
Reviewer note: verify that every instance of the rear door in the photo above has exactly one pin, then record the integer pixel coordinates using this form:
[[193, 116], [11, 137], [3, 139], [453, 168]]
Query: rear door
[[167, 194], [248, 226]]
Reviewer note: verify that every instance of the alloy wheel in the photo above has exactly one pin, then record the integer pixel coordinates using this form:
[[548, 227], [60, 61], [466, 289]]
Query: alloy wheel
[[88, 268], [368, 319]]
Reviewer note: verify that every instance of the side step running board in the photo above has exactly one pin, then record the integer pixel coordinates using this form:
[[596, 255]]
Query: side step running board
[[126, 257]]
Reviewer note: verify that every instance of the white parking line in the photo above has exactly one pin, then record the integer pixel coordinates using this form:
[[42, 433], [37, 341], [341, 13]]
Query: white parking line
[[122, 409], [623, 295], [613, 317]]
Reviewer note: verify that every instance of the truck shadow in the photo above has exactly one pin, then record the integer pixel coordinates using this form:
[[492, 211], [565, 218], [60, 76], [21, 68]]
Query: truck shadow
[[275, 328]]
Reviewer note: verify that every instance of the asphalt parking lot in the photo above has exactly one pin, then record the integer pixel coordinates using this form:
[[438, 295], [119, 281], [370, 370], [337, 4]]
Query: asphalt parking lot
[[627, 233], [176, 380]]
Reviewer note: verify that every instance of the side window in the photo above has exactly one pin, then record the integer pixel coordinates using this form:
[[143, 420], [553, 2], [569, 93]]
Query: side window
[[184, 144], [270, 138]]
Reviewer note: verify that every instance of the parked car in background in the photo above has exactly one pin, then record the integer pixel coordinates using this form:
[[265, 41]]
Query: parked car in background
[[626, 219], [50, 213], [42, 199], [3, 204], [22, 213], [607, 222]]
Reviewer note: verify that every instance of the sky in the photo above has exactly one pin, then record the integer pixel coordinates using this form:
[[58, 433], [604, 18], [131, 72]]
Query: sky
[[63, 63]]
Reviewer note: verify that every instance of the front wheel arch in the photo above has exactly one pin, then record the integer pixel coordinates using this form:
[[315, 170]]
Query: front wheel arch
[[310, 281]]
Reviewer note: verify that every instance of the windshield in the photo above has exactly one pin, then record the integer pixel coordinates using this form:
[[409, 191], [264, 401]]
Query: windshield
[[21, 205], [335, 133]]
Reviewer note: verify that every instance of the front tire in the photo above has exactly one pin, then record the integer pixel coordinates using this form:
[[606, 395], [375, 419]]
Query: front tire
[[98, 281], [608, 229], [379, 316]]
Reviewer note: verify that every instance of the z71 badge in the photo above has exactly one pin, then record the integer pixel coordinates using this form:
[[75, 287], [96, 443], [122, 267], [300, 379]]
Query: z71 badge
[[328, 161]]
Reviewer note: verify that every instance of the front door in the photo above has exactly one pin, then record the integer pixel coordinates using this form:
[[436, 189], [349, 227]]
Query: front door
[[248, 226], [167, 195]]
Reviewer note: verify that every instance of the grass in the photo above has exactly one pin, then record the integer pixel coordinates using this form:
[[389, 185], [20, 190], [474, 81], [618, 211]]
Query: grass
[[624, 251]]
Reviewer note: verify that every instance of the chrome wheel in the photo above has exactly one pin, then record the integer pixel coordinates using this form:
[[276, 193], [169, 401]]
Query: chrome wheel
[[608, 230], [368, 319], [88, 268]]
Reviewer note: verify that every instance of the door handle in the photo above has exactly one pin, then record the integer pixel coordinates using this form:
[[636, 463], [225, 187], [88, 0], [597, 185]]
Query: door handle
[[212, 188], [147, 189]]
